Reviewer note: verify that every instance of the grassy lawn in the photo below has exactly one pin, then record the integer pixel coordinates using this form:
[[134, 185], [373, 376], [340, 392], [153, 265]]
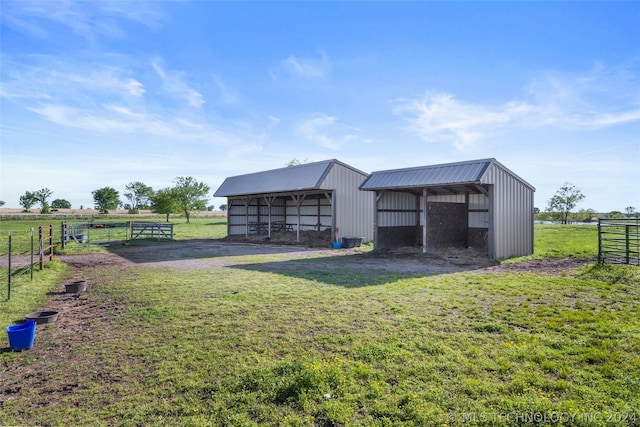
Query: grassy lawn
[[243, 346]]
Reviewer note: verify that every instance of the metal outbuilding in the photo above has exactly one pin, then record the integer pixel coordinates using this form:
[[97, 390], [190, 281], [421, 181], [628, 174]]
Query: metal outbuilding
[[478, 203], [316, 196]]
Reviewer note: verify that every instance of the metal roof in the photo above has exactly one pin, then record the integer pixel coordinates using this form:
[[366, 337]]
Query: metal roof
[[304, 177], [443, 178]]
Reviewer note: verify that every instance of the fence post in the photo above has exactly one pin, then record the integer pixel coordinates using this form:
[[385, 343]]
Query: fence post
[[9, 271], [599, 241], [31, 265], [50, 242], [62, 234], [40, 250], [627, 229]]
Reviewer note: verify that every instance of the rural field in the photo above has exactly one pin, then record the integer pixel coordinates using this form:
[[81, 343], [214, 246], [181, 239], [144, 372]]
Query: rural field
[[202, 331]]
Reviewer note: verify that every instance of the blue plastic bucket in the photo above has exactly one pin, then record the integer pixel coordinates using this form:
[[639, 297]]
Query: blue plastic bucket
[[337, 245], [21, 336]]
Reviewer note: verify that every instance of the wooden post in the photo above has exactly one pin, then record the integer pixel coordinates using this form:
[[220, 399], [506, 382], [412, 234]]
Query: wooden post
[[50, 242]]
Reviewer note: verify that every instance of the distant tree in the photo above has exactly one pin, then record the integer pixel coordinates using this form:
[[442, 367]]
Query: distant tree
[[1, 203], [629, 210], [296, 162], [615, 214], [164, 202], [60, 204], [565, 200], [27, 200], [41, 197], [536, 211], [138, 195], [105, 199], [223, 207], [585, 215], [190, 195]]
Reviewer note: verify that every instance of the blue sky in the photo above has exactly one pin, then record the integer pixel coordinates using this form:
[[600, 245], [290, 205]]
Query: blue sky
[[98, 94]]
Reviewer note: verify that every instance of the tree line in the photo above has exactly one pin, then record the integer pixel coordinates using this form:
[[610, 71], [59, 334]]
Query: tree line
[[185, 197], [561, 206]]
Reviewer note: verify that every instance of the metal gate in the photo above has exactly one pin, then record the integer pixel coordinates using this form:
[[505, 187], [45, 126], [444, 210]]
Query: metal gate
[[619, 241], [96, 233]]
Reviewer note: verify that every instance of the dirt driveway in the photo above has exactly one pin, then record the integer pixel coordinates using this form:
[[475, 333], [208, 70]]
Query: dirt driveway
[[210, 253]]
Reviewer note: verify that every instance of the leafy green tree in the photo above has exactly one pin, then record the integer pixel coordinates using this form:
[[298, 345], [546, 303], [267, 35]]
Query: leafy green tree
[[138, 195], [105, 199], [190, 195], [223, 207], [27, 200], [61, 204], [41, 197], [565, 200], [629, 210], [1, 203], [164, 202]]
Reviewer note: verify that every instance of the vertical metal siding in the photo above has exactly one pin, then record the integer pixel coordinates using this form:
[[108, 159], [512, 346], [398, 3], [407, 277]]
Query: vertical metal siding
[[513, 214], [353, 208]]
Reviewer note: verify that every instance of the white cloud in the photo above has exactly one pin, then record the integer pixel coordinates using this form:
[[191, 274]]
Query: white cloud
[[325, 131], [174, 83], [47, 78], [306, 68], [315, 128], [273, 122], [597, 99], [89, 20], [440, 117]]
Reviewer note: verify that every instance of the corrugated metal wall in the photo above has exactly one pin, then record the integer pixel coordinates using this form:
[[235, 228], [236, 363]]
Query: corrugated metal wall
[[511, 214], [509, 219], [396, 209], [353, 208]]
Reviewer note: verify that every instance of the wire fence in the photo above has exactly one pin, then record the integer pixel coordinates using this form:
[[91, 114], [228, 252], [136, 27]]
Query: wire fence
[[21, 256]]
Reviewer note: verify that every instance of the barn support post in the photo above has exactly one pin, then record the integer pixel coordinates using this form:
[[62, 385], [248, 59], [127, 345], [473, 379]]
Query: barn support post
[[269, 199], [466, 210], [246, 216], [375, 217], [424, 219], [298, 198], [334, 224], [491, 238]]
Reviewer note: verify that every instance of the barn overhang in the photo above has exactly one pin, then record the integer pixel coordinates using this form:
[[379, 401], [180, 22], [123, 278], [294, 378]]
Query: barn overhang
[[267, 223]]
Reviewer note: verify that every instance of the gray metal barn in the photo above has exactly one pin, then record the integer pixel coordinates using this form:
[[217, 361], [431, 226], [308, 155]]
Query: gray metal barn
[[478, 203], [315, 196]]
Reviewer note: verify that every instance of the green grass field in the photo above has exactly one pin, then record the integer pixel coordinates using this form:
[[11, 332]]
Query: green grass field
[[248, 347]]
